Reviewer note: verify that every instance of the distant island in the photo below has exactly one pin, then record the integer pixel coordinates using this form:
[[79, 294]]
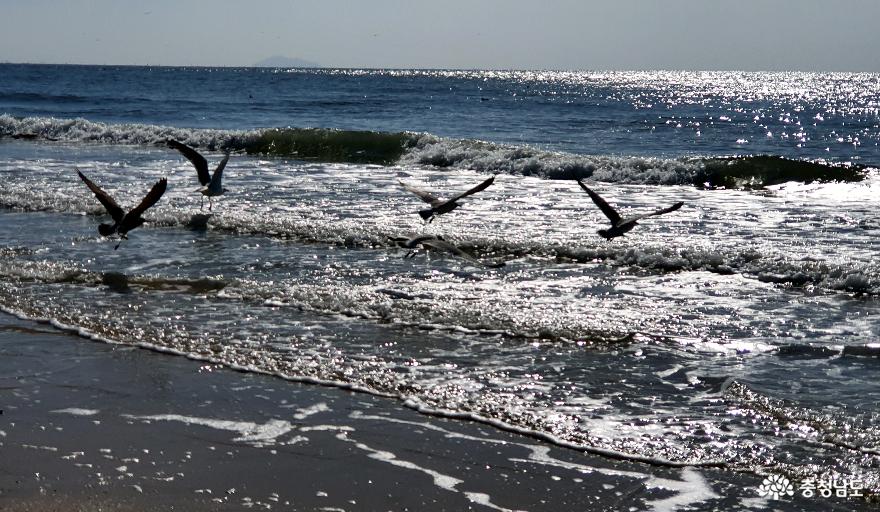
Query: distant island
[[280, 61]]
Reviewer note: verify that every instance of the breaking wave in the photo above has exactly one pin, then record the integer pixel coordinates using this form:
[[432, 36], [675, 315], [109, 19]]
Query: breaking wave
[[411, 148], [848, 276]]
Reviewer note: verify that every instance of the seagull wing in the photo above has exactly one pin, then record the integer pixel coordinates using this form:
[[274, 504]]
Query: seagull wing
[[443, 245], [151, 198], [482, 186], [195, 157], [415, 241], [661, 211], [606, 208], [115, 211], [218, 172], [399, 241], [424, 196]]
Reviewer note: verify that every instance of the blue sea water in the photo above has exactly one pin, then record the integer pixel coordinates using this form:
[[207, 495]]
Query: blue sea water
[[829, 116], [738, 332]]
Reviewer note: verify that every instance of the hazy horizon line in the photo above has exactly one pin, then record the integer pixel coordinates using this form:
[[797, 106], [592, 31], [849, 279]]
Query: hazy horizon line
[[325, 67]]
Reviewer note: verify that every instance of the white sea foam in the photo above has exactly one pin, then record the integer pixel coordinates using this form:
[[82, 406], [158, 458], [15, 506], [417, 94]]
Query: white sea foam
[[75, 411], [497, 158], [311, 411], [82, 130], [248, 432], [768, 264], [40, 447], [445, 482], [692, 489]]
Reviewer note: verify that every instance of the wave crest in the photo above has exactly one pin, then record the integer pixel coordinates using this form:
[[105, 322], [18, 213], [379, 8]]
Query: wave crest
[[421, 149]]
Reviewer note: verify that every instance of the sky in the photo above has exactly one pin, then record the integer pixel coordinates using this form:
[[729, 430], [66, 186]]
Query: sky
[[806, 35]]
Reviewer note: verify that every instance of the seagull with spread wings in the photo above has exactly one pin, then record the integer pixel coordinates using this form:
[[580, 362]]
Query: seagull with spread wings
[[212, 183], [124, 222], [620, 225], [441, 206]]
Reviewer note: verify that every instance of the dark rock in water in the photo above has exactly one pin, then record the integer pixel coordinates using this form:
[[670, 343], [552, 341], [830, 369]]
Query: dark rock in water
[[199, 221], [116, 281]]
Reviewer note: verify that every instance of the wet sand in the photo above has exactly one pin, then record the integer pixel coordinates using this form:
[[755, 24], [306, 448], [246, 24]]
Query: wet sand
[[93, 426]]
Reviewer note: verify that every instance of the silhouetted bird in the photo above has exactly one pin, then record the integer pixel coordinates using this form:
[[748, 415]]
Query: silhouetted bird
[[124, 222], [619, 225], [440, 206], [212, 184], [438, 243]]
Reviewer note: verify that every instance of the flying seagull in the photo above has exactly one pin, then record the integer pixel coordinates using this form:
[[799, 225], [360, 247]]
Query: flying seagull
[[123, 222], [619, 225], [212, 184], [440, 206], [438, 243]]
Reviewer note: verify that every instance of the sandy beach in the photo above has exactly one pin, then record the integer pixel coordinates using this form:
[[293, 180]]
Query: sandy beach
[[92, 426]]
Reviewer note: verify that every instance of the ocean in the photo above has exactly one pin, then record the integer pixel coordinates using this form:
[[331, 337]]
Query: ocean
[[739, 332]]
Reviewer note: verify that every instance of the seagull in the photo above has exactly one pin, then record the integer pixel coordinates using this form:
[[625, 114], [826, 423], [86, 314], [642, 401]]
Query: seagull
[[439, 206], [619, 225], [438, 243], [123, 222], [212, 184]]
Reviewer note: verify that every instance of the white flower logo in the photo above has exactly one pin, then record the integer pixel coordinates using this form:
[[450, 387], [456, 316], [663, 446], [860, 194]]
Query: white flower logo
[[776, 486]]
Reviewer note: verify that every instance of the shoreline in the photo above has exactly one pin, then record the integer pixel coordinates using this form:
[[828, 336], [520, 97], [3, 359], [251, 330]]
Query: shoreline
[[88, 426]]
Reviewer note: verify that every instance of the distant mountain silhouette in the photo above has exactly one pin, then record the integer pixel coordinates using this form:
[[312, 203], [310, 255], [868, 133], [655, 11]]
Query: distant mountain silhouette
[[280, 61]]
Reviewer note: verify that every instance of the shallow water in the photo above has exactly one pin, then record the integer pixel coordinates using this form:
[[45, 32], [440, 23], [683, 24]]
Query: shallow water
[[736, 332]]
